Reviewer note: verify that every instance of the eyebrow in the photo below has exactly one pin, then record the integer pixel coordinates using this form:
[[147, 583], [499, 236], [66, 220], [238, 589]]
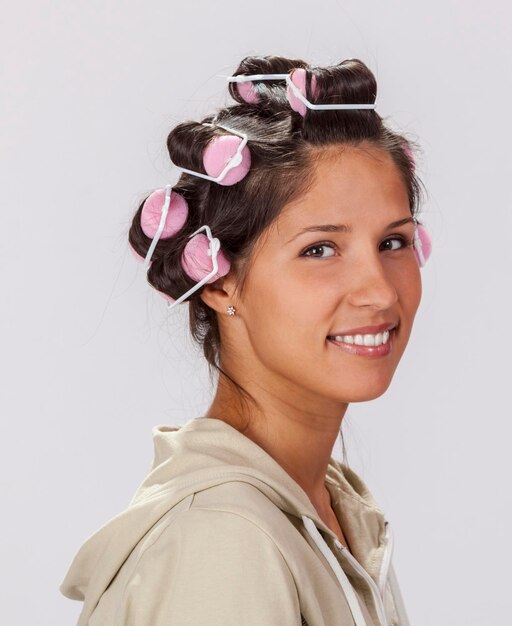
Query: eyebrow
[[343, 228]]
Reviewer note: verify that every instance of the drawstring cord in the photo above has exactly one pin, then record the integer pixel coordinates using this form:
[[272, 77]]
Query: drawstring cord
[[388, 576], [350, 594]]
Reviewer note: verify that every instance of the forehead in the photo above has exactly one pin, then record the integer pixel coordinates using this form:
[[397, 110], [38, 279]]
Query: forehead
[[351, 184]]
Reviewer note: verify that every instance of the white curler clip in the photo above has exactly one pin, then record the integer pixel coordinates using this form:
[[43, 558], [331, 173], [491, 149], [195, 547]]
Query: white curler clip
[[323, 107], [213, 250], [235, 160], [245, 78]]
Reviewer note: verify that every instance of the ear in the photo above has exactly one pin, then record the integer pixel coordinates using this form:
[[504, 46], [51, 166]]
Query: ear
[[219, 294]]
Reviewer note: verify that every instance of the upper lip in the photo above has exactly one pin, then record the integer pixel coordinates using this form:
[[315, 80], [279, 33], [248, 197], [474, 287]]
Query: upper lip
[[370, 330]]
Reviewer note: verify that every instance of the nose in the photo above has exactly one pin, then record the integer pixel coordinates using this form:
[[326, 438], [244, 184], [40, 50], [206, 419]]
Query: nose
[[372, 285]]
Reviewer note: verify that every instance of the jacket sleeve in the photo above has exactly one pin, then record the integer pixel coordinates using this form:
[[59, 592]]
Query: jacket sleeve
[[213, 568]]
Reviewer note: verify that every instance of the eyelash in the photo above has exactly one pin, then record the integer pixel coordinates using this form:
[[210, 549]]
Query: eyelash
[[406, 243]]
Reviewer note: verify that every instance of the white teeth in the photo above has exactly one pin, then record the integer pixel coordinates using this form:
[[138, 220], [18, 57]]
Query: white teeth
[[369, 340], [365, 340]]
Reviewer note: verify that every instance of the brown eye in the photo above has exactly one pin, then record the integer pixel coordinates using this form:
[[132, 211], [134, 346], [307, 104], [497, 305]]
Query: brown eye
[[404, 243], [318, 246]]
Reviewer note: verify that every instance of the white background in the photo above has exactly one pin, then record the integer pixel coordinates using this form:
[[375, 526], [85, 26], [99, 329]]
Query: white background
[[90, 363]]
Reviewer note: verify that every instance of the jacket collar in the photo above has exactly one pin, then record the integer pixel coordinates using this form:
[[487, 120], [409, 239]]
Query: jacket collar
[[362, 520], [213, 444]]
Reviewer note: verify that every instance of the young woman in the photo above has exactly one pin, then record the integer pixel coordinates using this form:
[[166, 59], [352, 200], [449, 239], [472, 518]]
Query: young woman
[[293, 236]]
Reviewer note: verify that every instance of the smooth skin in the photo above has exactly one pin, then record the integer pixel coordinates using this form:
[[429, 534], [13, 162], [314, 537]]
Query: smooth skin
[[276, 345]]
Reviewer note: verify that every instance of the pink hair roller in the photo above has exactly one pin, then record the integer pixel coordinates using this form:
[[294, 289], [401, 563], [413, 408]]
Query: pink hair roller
[[247, 93], [163, 214], [219, 152], [245, 84], [298, 78], [422, 244], [151, 216], [152, 213], [197, 262]]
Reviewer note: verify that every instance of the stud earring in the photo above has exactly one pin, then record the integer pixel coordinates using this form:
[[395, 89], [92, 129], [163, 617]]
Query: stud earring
[[231, 310]]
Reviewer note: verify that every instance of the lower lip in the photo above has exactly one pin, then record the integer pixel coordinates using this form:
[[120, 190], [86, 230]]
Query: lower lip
[[371, 351]]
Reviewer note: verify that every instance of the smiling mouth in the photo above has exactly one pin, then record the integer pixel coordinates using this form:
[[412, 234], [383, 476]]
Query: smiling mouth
[[377, 345], [368, 339]]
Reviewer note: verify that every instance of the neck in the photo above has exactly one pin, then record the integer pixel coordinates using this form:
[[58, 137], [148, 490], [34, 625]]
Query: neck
[[300, 440]]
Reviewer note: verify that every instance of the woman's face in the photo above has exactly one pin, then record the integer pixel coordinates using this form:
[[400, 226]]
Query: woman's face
[[309, 281]]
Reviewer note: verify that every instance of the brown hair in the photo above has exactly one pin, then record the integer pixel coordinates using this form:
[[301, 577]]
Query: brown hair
[[284, 146]]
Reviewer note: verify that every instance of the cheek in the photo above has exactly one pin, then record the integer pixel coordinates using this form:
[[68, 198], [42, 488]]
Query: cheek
[[409, 288], [318, 283], [286, 311]]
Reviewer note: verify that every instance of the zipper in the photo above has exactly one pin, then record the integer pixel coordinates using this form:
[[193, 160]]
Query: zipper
[[377, 591]]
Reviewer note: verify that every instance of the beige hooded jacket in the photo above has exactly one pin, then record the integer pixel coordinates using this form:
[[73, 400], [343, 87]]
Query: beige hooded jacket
[[219, 534]]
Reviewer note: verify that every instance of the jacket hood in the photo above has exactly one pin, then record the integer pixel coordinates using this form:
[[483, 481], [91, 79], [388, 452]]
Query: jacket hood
[[200, 454]]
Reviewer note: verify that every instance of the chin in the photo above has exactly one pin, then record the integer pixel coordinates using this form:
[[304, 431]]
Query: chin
[[365, 396], [365, 392]]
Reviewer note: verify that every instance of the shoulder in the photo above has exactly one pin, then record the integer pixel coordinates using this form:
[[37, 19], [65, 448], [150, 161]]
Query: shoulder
[[210, 562], [233, 516]]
